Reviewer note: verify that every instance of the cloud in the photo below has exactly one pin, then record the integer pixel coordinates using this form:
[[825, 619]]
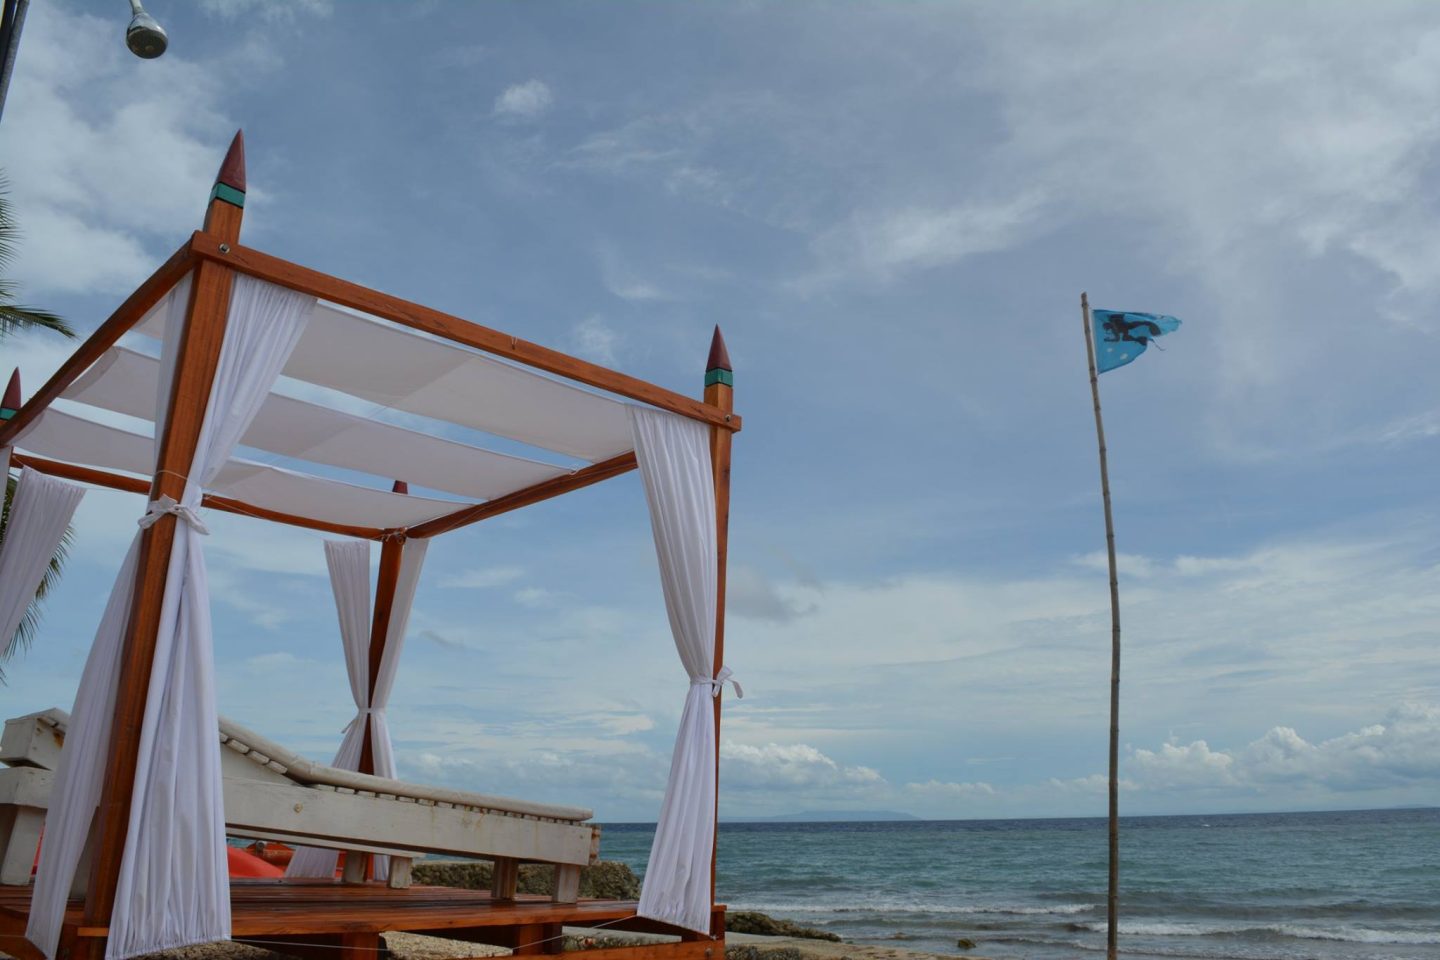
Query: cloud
[[790, 767], [1255, 160], [1420, 426], [1128, 564], [240, 595], [260, 546], [750, 594], [481, 578], [1174, 766], [887, 244], [108, 156], [595, 340], [624, 282], [271, 10], [526, 101], [534, 597], [935, 791], [1402, 750]]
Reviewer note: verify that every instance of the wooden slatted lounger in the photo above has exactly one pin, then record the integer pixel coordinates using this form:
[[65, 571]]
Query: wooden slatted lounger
[[272, 793]]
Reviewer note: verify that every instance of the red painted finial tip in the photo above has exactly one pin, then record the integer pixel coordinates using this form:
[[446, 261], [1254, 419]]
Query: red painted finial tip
[[719, 356], [232, 171], [400, 486], [12, 392]]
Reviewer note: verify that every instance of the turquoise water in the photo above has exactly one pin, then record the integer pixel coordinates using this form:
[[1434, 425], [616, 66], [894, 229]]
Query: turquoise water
[[1360, 885]]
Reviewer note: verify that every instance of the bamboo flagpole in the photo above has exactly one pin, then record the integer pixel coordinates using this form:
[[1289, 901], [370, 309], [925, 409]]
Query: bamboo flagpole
[[1113, 891], [1126, 337]]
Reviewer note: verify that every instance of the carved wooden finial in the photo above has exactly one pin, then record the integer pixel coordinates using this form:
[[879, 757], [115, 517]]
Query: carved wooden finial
[[12, 400], [717, 368], [227, 199], [400, 486], [232, 171]]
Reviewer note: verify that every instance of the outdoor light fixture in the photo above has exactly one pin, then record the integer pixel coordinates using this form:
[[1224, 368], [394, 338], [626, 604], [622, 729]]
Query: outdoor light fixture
[[145, 38]]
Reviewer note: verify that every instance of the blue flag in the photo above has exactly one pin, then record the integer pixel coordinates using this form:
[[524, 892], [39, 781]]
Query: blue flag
[[1121, 336]]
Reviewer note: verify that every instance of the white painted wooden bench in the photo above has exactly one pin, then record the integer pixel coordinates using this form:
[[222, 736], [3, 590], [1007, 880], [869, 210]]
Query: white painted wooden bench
[[272, 793]]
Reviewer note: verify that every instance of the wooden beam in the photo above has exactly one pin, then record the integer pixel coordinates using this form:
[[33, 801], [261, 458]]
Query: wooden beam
[[392, 551], [69, 471], [454, 329], [309, 523], [719, 393], [196, 361], [585, 477], [116, 481], [125, 316]]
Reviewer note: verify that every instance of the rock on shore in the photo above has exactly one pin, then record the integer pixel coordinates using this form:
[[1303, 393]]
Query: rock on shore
[[747, 921]]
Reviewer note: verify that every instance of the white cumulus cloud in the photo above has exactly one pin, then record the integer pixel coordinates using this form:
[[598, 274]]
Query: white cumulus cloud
[[524, 101], [1403, 749]]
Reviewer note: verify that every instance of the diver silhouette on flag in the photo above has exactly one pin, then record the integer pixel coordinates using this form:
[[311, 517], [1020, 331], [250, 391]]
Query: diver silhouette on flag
[[1121, 335]]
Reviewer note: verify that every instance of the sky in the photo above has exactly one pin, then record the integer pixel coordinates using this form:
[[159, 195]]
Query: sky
[[891, 210]]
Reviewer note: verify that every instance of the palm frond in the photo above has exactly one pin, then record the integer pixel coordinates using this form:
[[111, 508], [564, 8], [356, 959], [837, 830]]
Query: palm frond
[[30, 623], [9, 232], [14, 317]]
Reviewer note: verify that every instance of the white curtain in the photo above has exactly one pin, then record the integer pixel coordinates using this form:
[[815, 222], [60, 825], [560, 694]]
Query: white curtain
[[349, 563], [674, 457], [173, 890], [39, 514]]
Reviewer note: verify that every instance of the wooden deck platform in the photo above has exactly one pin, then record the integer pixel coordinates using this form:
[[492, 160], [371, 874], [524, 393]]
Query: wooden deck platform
[[325, 920]]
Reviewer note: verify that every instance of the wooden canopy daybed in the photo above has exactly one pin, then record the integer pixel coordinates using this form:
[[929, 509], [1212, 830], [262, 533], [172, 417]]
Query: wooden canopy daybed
[[231, 321], [272, 793]]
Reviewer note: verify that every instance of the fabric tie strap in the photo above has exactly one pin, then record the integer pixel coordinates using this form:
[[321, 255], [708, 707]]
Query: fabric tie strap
[[717, 683], [363, 713], [167, 504]]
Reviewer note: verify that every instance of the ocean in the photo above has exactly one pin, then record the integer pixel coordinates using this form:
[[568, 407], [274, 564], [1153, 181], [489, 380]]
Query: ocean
[[1358, 885]]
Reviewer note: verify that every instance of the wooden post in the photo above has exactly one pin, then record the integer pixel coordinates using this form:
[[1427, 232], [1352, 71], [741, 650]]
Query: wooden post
[[719, 393], [198, 356], [1112, 895], [391, 551]]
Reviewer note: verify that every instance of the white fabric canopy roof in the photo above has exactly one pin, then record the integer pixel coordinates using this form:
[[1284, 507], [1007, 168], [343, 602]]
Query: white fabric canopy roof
[[58, 435], [409, 371], [372, 362], [124, 381]]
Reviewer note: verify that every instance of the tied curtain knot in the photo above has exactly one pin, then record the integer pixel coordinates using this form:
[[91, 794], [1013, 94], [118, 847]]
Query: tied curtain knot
[[717, 683], [167, 504], [363, 713]]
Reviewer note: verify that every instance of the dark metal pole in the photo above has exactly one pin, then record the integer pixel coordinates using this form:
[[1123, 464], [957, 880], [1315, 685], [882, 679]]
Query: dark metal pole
[[10, 26]]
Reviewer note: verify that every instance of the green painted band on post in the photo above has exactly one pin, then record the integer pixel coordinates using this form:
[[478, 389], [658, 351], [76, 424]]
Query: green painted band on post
[[719, 376], [223, 191], [6, 413]]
